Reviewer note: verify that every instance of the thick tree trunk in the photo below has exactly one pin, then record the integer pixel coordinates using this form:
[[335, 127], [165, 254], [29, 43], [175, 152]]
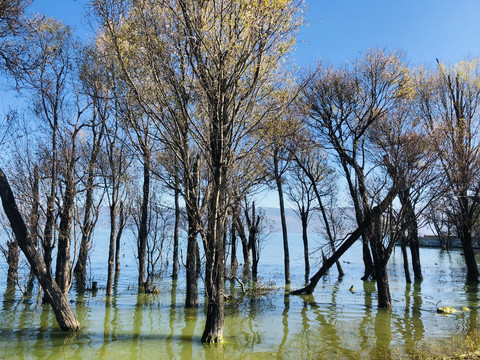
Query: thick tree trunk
[[59, 302], [383, 288], [278, 180], [415, 252], [143, 228]]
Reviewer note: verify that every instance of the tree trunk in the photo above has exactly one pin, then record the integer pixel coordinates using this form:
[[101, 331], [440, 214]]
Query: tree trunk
[[383, 288], [278, 180], [80, 269], [63, 266], [233, 256], [305, 246], [121, 225], [143, 228], [176, 229], [59, 302], [111, 248], [12, 261], [191, 299], [466, 237], [215, 266], [403, 245], [367, 260]]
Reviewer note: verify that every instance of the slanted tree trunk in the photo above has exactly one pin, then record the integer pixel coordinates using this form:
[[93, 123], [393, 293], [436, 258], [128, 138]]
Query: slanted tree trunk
[[465, 234], [349, 241], [58, 300]]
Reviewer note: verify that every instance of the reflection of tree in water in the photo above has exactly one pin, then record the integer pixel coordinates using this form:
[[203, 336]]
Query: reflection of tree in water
[[472, 298], [244, 311], [383, 335], [318, 337], [190, 316], [286, 302], [171, 318], [411, 326], [367, 320]]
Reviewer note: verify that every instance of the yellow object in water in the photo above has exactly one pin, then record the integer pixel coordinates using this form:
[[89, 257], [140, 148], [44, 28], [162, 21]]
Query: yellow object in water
[[446, 310], [465, 308]]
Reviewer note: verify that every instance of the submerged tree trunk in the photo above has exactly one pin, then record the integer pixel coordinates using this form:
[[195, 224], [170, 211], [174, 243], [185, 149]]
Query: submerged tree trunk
[[59, 302]]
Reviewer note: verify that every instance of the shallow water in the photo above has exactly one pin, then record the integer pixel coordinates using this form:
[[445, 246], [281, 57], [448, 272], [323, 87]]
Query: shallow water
[[332, 323]]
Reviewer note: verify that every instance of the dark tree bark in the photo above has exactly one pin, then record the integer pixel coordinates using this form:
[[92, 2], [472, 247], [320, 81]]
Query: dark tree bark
[[304, 219], [59, 302], [143, 228], [191, 299]]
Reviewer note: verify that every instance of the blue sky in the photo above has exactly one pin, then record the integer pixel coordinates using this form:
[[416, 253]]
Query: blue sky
[[341, 30]]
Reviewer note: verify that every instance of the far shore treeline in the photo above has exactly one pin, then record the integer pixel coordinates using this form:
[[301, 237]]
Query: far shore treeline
[[179, 114]]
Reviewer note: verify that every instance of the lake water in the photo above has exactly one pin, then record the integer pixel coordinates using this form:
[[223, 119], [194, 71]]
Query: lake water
[[332, 323]]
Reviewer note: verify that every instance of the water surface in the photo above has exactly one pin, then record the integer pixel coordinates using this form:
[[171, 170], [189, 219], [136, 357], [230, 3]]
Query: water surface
[[334, 322]]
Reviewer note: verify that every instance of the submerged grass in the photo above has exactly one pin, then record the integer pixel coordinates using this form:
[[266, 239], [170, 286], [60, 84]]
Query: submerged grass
[[460, 347]]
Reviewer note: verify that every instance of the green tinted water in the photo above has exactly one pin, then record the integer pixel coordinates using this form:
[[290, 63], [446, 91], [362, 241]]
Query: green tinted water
[[332, 323]]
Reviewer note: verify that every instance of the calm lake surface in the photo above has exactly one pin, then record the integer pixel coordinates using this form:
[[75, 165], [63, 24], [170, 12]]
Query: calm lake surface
[[332, 323]]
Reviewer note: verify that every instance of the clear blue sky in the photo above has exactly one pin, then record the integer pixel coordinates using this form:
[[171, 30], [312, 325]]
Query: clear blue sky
[[340, 30]]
